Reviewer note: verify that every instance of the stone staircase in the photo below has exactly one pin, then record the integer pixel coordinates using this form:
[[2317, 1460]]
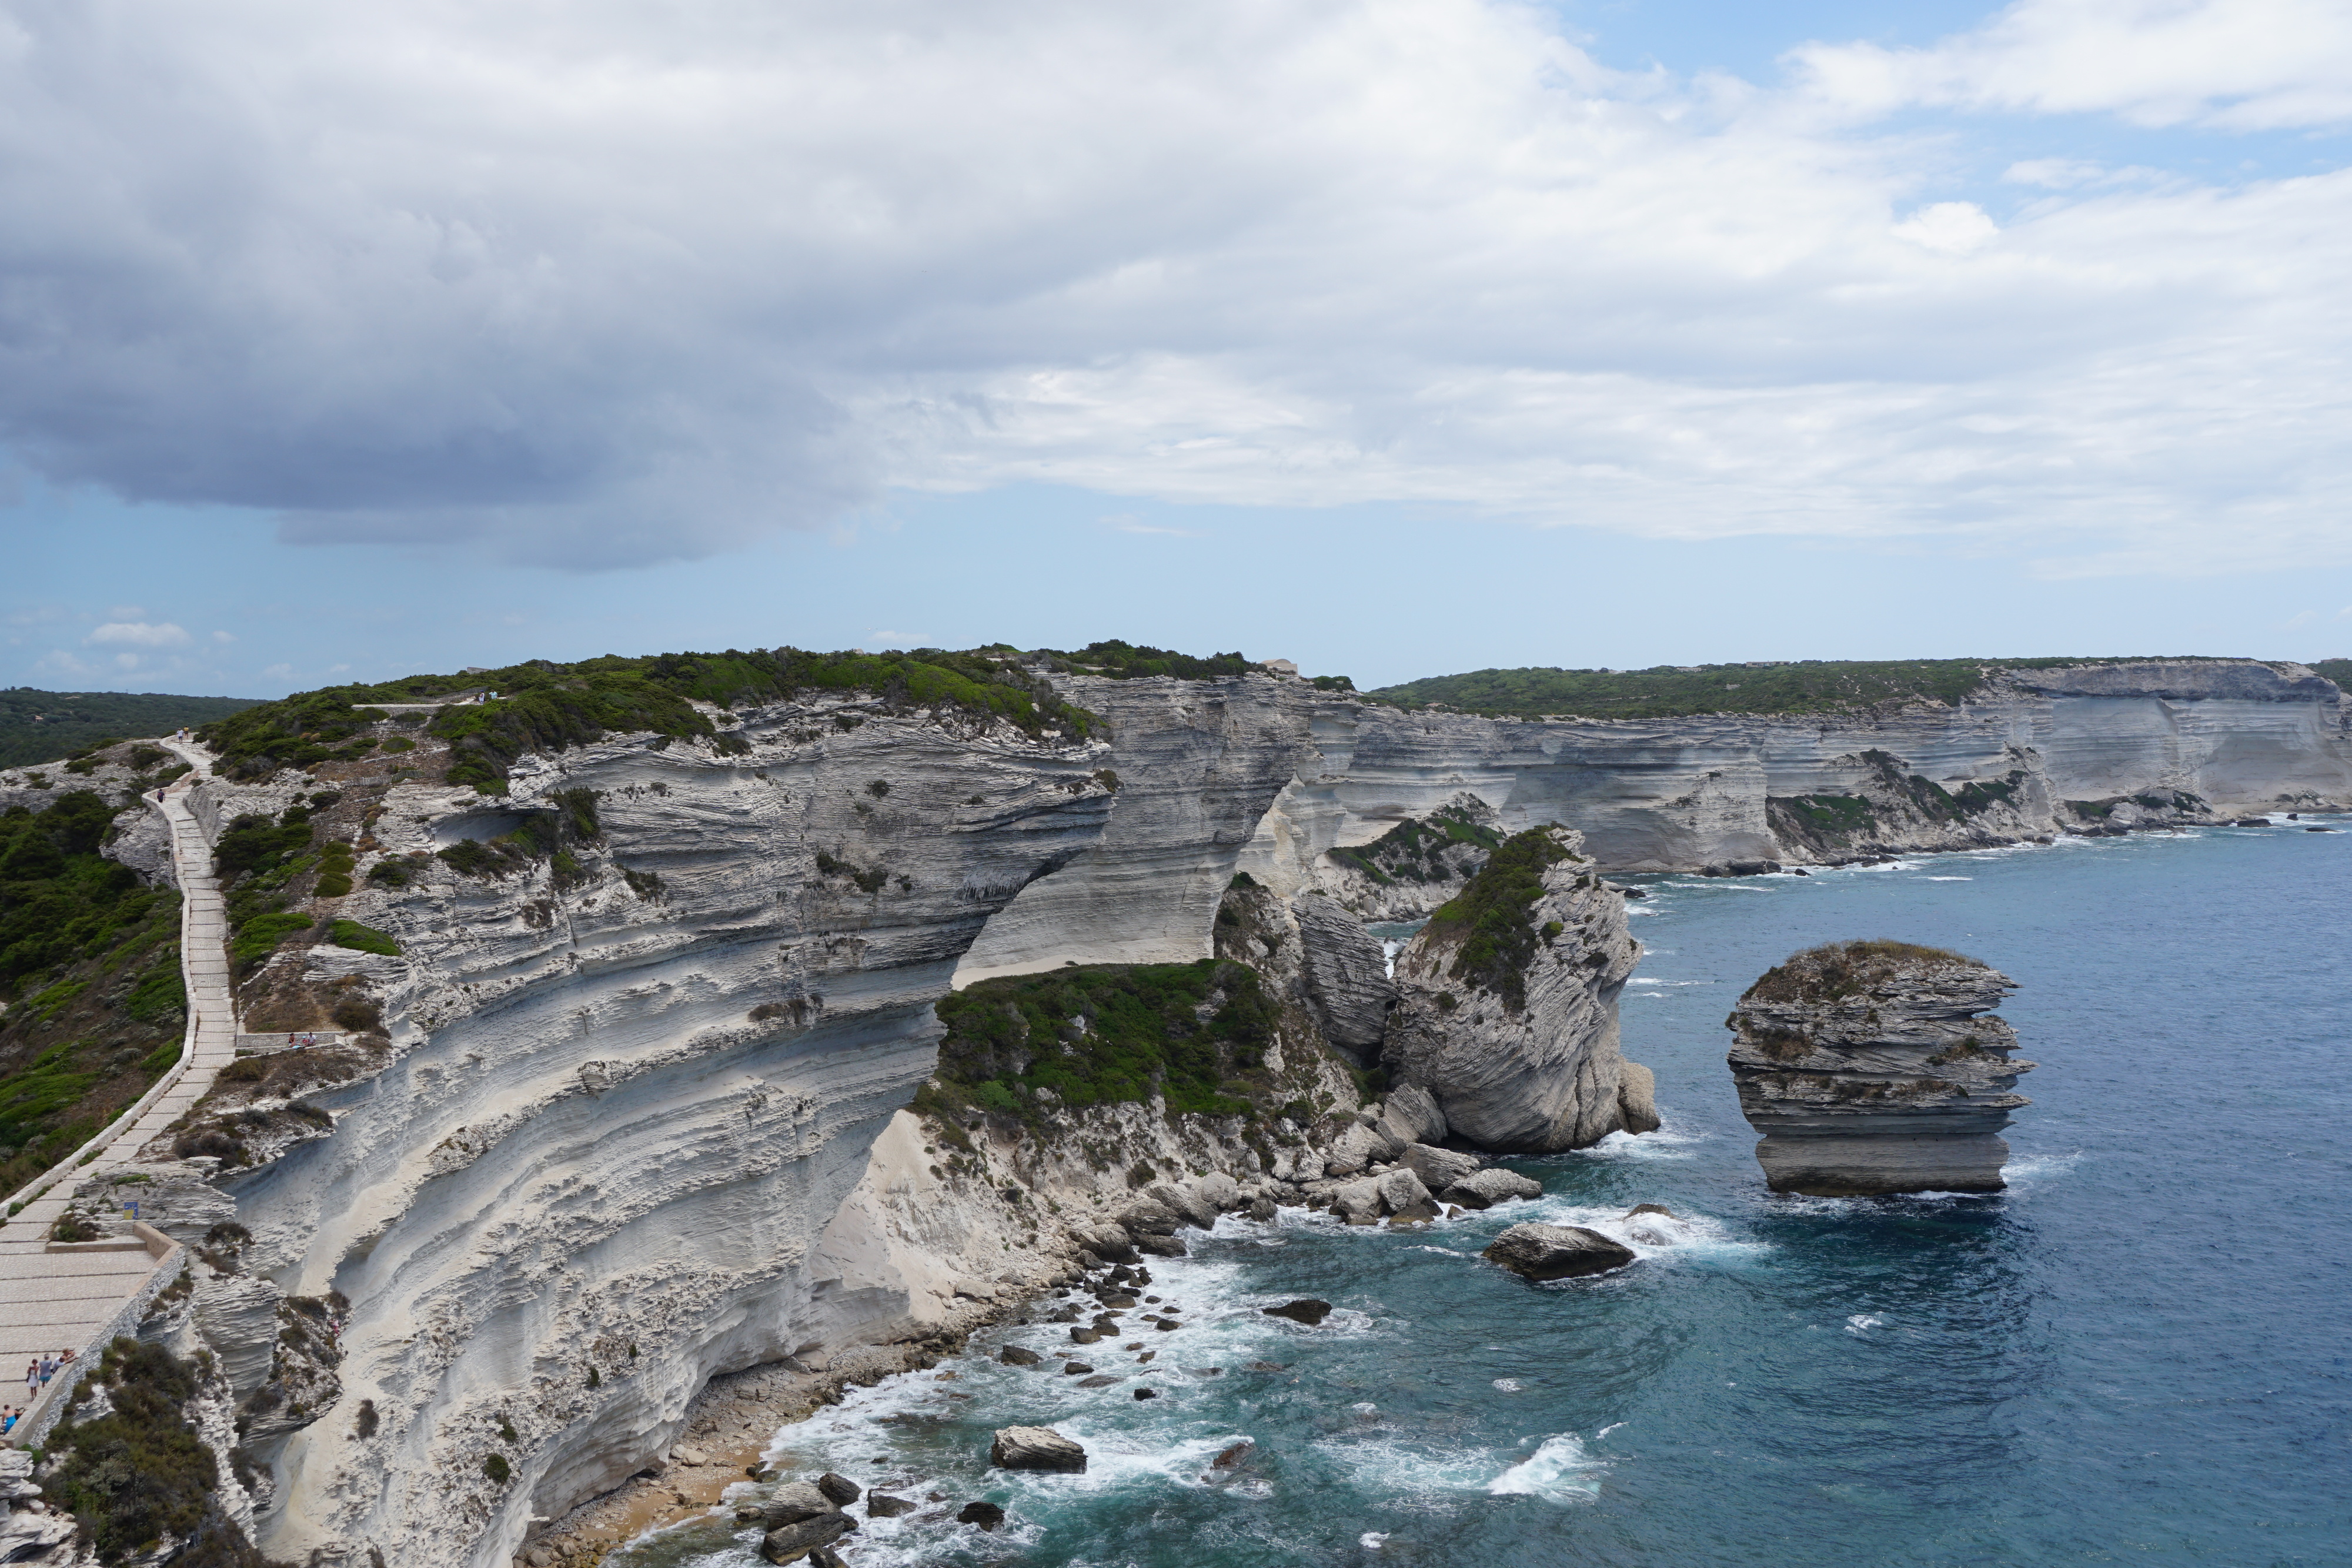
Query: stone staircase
[[58, 1295]]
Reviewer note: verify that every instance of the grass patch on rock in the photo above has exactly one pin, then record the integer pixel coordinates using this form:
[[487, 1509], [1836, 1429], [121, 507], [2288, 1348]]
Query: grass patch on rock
[[1488, 924]]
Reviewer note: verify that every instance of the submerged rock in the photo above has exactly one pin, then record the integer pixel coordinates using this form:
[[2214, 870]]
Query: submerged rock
[[1871, 1067], [1036, 1449], [1507, 1006], [1556, 1252]]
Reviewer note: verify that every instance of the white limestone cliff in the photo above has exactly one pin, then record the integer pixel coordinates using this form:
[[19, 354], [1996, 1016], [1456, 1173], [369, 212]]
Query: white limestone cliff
[[618, 1105]]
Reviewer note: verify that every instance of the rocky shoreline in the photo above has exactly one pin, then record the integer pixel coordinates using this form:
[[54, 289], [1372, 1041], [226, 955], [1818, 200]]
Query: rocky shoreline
[[1097, 1293]]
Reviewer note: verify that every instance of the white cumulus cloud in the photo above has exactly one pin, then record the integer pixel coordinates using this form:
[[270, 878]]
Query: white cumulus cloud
[[2240, 65], [140, 634]]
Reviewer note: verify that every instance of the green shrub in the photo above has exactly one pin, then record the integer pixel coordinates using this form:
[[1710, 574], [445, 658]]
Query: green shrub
[[256, 844], [389, 872], [497, 1468], [494, 859], [546, 708], [1835, 971], [140, 1472], [363, 939], [259, 936], [1126, 661], [1487, 923], [161, 993], [1106, 1034], [580, 812]]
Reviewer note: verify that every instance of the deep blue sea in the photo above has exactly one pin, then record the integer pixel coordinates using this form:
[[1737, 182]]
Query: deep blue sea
[[2136, 1355]]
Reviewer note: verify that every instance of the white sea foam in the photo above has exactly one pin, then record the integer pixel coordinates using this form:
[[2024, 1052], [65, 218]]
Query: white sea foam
[[1862, 1322], [1509, 1384], [1372, 1539], [1666, 1143], [1680, 1236], [2039, 1168], [1606, 1430], [1558, 1470], [1947, 879]]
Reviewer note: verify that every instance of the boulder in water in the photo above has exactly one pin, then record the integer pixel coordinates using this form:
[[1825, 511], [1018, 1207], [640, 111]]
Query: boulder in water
[[841, 1489], [1484, 1189], [1015, 1355], [879, 1505], [794, 1502], [792, 1543], [1305, 1310], [1439, 1168], [986, 1515], [1543, 1252], [1036, 1449]]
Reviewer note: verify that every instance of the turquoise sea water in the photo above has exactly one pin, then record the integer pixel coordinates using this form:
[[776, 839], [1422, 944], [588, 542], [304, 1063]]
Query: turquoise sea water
[[2138, 1354]]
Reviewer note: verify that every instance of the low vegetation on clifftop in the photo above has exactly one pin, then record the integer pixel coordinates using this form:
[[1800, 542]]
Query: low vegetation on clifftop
[[43, 726], [1677, 691]]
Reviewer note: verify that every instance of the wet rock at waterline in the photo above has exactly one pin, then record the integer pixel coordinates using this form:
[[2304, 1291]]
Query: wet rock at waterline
[[1305, 1309], [1544, 1252], [1873, 1068], [792, 1543], [880, 1505], [1485, 1189], [1014, 1356], [1036, 1449], [986, 1515], [792, 1503]]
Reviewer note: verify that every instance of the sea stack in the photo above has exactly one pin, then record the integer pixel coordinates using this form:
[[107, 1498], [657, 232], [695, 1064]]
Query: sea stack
[[1506, 1009], [1875, 1067]]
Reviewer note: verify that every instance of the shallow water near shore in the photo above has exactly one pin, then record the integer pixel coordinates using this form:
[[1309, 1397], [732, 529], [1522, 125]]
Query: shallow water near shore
[[2137, 1353]]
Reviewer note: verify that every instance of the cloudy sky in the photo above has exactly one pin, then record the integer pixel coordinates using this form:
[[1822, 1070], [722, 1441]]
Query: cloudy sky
[[1395, 337]]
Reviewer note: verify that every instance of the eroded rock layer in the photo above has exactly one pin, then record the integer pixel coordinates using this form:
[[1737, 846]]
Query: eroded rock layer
[[614, 1049], [1507, 1004], [1877, 1067]]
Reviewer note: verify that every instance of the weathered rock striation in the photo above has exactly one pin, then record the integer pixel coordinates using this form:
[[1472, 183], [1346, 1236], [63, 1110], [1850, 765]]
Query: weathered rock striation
[[2031, 755], [618, 1096], [1875, 1067], [1507, 1006]]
